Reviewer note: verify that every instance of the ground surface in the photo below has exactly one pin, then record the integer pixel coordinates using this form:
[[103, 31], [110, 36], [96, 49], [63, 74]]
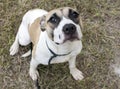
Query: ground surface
[[101, 46]]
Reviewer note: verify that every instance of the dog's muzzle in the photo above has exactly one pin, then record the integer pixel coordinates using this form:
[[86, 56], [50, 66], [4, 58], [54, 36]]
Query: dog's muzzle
[[70, 32]]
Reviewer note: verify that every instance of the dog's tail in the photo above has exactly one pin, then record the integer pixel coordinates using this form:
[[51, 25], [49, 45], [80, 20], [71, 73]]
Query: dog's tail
[[27, 53]]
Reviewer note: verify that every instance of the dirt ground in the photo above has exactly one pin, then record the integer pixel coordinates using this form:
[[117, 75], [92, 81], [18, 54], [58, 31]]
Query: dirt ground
[[101, 46]]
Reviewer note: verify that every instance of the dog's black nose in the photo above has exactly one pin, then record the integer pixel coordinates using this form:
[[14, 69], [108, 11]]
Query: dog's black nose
[[69, 29]]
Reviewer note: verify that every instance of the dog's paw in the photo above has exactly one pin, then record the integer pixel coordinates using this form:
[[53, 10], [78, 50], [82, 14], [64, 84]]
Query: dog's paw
[[77, 74], [33, 74], [14, 48]]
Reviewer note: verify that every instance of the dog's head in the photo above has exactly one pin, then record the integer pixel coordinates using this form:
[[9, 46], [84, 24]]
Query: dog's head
[[62, 25]]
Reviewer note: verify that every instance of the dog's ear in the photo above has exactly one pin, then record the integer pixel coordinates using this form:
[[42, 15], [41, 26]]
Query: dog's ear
[[43, 23], [80, 22]]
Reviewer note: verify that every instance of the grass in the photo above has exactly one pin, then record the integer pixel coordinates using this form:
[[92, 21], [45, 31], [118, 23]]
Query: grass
[[101, 46]]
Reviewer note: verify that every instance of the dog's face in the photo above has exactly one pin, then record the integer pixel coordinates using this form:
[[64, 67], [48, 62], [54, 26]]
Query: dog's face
[[62, 25]]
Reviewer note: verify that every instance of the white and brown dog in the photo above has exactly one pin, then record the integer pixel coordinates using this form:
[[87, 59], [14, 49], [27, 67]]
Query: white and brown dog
[[56, 38]]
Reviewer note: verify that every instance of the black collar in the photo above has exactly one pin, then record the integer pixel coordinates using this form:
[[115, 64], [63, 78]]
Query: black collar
[[54, 54]]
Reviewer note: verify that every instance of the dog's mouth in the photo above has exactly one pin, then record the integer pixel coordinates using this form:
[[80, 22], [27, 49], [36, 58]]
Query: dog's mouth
[[57, 43], [71, 38]]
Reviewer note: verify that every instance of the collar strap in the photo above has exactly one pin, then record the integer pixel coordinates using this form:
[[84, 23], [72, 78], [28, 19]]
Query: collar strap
[[54, 54]]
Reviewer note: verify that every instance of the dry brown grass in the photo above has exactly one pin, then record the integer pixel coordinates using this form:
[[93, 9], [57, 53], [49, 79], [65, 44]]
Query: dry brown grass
[[101, 46]]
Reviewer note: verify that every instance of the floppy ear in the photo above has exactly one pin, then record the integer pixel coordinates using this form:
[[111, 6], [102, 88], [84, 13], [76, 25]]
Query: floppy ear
[[43, 23], [80, 22]]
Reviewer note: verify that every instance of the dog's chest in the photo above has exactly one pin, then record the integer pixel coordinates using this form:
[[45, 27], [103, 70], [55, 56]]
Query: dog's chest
[[44, 59], [43, 55]]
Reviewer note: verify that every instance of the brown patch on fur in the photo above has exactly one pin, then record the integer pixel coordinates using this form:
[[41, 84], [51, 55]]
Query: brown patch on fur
[[49, 30], [66, 11], [34, 32], [50, 27], [33, 51]]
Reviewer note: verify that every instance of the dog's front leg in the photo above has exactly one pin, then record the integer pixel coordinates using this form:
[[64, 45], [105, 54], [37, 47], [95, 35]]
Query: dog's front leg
[[76, 73], [33, 72]]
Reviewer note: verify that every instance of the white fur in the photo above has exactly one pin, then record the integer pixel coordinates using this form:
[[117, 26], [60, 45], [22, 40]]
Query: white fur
[[42, 54]]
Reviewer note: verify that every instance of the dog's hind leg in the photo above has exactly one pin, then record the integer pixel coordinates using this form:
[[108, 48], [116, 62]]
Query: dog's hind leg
[[22, 38]]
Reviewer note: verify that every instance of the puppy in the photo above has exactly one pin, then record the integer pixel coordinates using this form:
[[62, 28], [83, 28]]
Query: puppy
[[56, 38]]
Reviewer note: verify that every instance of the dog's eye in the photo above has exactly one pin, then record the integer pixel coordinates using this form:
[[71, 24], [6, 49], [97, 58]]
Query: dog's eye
[[75, 14], [53, 20]]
